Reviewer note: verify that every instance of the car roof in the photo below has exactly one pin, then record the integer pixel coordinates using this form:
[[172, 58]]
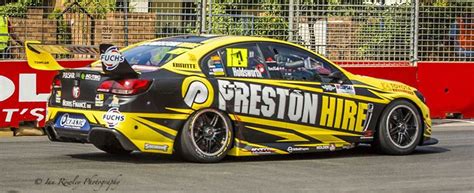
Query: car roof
[[206, 39]]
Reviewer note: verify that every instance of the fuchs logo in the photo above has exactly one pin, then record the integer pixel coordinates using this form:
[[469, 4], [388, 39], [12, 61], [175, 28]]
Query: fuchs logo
[[111, 58], [113, 117], [76, 92], [68, 122]]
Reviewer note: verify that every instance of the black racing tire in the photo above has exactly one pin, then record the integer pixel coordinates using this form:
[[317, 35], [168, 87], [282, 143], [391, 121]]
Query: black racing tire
[[206, 137], [112, 146], [399, 130]]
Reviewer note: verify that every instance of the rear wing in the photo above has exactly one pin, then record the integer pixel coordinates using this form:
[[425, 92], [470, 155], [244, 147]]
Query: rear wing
[[40, 56]]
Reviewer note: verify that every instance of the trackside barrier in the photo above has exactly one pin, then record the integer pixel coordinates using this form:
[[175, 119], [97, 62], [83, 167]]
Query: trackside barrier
[[24, 92], [446, 86]]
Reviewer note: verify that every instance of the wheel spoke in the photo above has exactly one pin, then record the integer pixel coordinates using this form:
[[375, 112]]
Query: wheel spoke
[[411, 127], [206, 119], [407, 136], [199, 139], [214, 120], [400, 138], [393, 121], [407, 117], [398, 115], [393, 130], [209, 146]]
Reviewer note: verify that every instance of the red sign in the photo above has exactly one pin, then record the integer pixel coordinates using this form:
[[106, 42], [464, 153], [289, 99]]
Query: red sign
[[24, 92]]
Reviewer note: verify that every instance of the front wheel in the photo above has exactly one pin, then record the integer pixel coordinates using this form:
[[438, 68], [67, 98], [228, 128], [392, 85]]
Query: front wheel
[[206, 137], [399, 129]]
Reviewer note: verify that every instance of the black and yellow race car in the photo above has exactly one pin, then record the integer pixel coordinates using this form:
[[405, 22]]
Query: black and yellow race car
[[205, 97]]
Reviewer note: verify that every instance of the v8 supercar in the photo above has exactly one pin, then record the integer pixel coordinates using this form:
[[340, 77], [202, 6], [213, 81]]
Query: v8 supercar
[[205, 97]]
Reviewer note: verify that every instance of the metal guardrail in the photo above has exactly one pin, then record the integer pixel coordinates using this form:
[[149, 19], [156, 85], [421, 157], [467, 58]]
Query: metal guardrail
[[390, 32]]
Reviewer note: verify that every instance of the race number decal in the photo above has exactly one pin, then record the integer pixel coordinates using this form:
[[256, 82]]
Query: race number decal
[[237, 57], [197, 92]]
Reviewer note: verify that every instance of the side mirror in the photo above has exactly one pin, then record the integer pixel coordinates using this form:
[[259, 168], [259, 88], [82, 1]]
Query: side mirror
[[338, 77]]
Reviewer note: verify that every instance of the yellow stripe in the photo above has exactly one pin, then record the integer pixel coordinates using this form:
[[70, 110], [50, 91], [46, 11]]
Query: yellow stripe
[[293, 126], [260, 146], [158, 126], [186, 111], [288, 136]]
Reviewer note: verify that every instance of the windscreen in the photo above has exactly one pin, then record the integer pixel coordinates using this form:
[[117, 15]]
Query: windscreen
[[154, 53]]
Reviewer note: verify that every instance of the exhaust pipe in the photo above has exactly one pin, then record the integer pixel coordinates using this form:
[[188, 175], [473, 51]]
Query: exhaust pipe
[[51, 132]]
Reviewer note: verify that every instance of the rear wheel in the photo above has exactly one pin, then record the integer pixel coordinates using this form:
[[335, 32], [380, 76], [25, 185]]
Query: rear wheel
[[206, 137], [399, 129]]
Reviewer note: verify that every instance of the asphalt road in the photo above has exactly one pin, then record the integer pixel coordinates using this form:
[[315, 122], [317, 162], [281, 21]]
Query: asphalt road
[[33, 164]]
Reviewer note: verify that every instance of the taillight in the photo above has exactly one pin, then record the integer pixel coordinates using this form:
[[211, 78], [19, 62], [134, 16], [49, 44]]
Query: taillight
[[56, 82], [124, 87]]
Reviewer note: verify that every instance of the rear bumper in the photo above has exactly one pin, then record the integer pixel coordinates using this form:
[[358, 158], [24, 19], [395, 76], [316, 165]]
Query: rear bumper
[[96, 136]]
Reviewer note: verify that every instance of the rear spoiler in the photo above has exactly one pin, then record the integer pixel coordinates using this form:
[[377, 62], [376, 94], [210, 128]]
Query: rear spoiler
[[40, 57]]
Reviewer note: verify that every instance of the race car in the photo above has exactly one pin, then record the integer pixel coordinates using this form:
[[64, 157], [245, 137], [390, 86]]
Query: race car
[[205, 97]]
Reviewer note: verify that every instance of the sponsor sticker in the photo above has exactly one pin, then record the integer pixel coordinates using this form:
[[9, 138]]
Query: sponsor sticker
[[69, 75], [115, 101], [345, 89], [113, 117], [184, 65], [99, 100], [328, 87], [76, 92], [111, 58], [162, 43], [276, 68], [149, 146], [93, 77], [261, 150], [322, 147], [215, 66], [350, 146], [72, 122], [332, 147], [297, 149], [76, 104], [237, 57], [58, 96], [242, 72]]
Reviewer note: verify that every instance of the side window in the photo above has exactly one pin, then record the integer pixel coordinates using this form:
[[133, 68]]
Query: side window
[[291, 63], [238, 60]]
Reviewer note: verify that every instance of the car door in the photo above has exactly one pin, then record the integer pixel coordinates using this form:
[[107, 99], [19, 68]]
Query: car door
[[328, 110], [244, 91]]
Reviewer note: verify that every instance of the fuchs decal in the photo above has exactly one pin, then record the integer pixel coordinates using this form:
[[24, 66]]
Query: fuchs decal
[[197, 92], [111, 58], [294, 105], [113, 117]]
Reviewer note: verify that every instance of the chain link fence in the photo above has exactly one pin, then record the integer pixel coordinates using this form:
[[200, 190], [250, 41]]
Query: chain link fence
[[391, 32]]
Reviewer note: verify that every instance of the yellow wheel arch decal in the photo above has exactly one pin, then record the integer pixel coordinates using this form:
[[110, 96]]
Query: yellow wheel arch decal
[[197, 92]]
